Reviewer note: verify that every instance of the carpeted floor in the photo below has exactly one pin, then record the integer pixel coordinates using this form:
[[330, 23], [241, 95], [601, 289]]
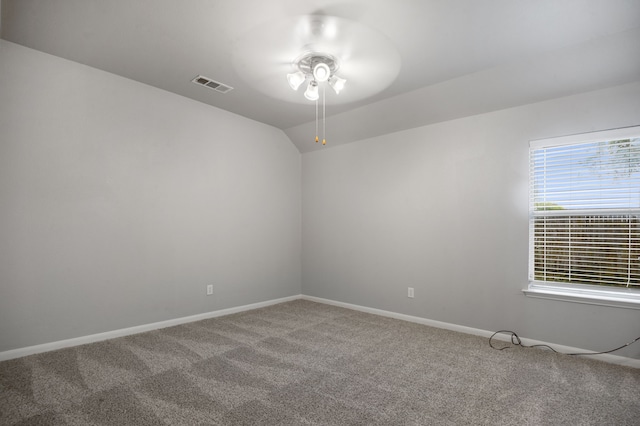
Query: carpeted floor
[[305, 363]]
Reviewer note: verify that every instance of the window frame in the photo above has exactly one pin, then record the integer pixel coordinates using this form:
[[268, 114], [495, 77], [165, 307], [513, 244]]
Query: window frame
[[620, 297]]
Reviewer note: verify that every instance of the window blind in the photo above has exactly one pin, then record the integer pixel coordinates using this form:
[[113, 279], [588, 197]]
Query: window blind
[[584, 204]]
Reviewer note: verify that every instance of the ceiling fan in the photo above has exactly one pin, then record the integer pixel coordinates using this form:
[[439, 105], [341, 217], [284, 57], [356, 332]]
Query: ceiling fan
[[358, 61]]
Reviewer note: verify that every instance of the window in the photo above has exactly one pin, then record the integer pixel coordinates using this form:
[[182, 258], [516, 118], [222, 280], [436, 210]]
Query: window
[[584, 218]]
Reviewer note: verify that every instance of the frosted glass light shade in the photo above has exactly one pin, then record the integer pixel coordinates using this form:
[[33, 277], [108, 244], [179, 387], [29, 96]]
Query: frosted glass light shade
[[321, 72], [337, 83], [312, 91], [296, 79]]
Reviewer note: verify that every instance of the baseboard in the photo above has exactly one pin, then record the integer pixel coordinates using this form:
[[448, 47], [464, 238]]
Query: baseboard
[[609, 358], [46, 347]]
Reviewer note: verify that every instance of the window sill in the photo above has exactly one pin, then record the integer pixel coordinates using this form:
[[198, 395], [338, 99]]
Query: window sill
[[616, 297]]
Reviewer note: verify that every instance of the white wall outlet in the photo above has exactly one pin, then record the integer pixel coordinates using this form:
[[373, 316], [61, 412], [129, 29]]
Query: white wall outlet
[[410, 292], [209, 289]]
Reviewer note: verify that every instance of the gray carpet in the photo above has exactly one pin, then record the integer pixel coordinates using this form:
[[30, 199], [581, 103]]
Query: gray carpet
[[305, 363]]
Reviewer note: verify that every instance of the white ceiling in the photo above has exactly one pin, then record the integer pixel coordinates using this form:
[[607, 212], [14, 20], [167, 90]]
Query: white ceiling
[[453, 58]]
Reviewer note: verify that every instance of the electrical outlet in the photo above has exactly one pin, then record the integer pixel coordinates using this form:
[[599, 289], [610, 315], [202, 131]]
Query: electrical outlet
[[209, 289], [410, 292]]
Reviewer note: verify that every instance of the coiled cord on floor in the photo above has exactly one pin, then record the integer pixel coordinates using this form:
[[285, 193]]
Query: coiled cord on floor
[[515, 341]]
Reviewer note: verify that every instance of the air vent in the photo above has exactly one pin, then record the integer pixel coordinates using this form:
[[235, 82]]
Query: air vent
[[211, 84]]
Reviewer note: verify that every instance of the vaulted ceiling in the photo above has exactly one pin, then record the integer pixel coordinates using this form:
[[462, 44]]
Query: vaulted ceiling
[[440, 59]]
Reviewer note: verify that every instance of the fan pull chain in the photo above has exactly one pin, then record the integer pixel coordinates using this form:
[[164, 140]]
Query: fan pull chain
[[316, 121], [324, 116]]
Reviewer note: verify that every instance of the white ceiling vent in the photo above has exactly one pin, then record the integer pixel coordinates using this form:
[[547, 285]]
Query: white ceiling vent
[[211, 84]]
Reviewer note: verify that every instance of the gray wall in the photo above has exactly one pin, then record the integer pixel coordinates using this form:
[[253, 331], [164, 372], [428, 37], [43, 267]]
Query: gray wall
[[443, 209], [119, 203]]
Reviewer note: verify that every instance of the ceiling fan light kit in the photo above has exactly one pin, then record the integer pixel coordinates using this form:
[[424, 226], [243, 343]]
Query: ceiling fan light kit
[[317, 68]]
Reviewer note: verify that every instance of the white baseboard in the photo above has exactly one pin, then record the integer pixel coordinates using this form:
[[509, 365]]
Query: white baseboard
[[611, 359], [46, 347]]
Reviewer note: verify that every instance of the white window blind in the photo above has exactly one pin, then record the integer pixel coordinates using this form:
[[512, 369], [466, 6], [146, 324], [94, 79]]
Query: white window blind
[[584, 204]]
